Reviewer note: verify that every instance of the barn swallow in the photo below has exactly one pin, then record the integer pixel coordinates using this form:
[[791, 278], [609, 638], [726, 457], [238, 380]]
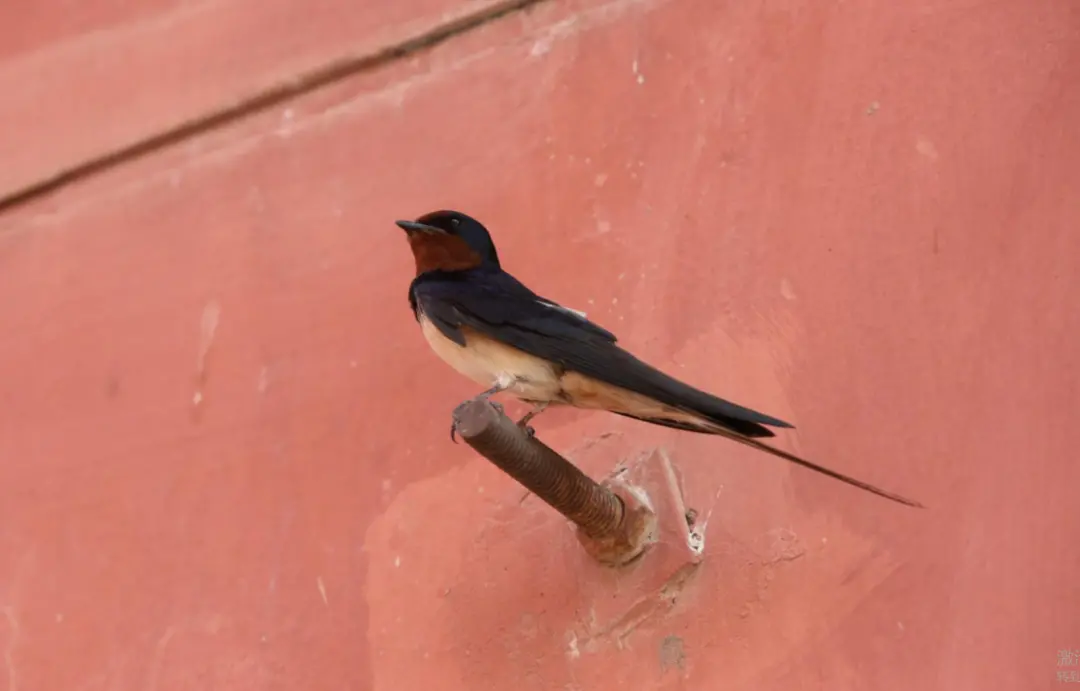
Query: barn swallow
[[489, 327]]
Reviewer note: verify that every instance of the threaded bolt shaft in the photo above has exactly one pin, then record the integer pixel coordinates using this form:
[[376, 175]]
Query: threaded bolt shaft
[[594, 509]]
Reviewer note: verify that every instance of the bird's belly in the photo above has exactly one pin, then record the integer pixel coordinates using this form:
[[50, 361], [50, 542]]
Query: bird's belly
[[489, 363]]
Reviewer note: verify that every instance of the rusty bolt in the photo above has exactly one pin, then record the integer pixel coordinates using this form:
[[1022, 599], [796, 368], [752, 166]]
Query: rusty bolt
[[599, 513]]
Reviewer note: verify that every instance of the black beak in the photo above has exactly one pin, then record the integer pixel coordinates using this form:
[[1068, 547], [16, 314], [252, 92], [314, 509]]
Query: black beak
[[414, 227]]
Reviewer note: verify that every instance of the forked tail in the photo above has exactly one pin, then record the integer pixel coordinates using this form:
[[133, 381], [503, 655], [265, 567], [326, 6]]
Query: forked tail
[[820, 469]]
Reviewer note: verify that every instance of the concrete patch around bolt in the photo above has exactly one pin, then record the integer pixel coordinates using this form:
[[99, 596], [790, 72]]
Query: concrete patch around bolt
[[643, 589]]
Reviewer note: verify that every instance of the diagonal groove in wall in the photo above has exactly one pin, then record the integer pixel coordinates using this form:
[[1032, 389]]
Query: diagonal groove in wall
[[270, 97]]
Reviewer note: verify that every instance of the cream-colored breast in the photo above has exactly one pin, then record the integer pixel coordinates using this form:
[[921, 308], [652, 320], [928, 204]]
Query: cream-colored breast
[[489, 362]]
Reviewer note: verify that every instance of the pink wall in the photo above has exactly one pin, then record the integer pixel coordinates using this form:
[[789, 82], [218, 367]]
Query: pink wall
[[224, 459]]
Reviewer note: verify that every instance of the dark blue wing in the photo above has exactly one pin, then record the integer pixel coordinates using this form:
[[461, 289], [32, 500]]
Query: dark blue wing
[[497, 305]]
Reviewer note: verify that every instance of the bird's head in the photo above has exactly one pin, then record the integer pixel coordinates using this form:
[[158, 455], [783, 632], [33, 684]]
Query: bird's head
[[449, 241]]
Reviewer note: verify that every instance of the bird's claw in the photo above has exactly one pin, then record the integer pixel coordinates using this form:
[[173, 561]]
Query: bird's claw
[[523, 423]]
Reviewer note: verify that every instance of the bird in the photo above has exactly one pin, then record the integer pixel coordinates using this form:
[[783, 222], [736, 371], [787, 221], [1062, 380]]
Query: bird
[[492, 329]]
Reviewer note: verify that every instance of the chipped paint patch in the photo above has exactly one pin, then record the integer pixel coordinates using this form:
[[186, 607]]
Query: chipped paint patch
[[208, 326], [672, 654]]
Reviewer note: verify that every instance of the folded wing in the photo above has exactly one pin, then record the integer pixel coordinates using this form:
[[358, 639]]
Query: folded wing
[[497, 305]]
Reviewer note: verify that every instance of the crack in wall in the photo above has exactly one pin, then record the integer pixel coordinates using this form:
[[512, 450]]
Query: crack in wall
[[287, 89]]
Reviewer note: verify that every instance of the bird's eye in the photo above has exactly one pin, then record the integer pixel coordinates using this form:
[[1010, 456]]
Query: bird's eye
[[455, 222]]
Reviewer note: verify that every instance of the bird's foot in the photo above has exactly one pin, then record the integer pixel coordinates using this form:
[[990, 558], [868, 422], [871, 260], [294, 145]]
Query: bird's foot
[[524, 421]]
